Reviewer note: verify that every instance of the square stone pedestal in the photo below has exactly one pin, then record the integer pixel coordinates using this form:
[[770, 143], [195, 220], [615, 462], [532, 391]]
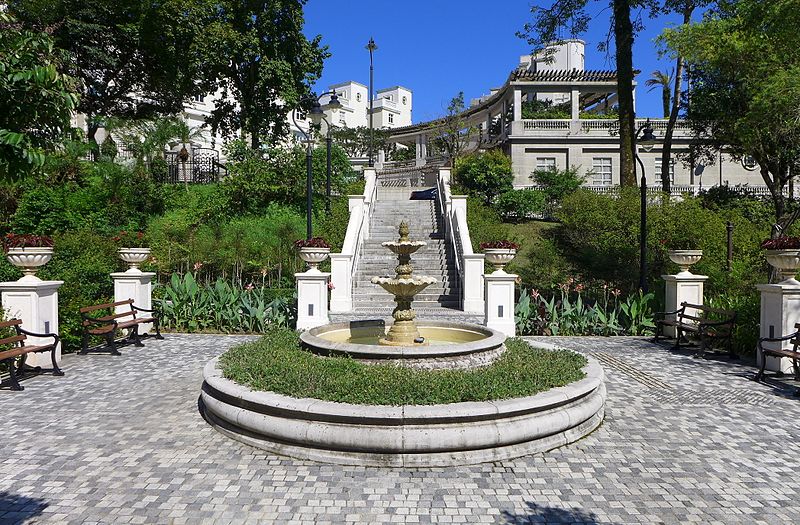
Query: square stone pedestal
[[36, 303], [499, 313], [780, 311], [137, 285], [683, 287], [312, 299]]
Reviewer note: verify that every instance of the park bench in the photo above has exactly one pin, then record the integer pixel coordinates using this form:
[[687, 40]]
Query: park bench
[[19, 348], [709, 324], [108, 326], [793, 354]]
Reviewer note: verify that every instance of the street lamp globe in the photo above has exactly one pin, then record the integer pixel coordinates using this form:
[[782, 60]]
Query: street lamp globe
[[334, 104], [648, 140], [316, 113]]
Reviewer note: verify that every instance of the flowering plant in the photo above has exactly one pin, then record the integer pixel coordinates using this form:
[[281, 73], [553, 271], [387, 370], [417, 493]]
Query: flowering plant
[[316, 242], [781, 243], [503, 245], [13, 240], [127, 239]]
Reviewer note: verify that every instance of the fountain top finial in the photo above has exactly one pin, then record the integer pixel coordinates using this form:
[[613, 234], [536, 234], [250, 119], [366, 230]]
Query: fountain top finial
[[403, 231]]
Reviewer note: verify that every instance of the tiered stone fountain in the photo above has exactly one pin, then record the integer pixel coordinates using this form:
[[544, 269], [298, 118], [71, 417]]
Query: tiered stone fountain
[[404, 286], [406, 435]]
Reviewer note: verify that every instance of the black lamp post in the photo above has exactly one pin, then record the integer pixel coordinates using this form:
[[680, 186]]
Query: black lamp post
[[647, 142], [317, 115], [371, 46]]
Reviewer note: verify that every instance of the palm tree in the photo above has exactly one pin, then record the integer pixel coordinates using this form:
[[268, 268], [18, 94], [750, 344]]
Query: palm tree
[[663, 80]]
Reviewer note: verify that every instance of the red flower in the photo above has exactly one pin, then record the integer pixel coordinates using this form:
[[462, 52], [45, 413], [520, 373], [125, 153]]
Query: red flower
[[316, 242], [502, 245]]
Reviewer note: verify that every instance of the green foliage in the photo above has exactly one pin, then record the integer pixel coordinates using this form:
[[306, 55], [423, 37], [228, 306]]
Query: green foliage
[[748, 110], [277, 364], [36, 99], [134, 58], [188, 306], [250, 249], [519, 205], [558, 184], [106, 197], [568, 316], [485, 174], [747, 306], [257, 55], [484, 223], [82, 259], [545, 109], [258, 179], [355, 141]]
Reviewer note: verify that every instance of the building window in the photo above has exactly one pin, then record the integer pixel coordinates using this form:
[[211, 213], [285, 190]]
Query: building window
[[404, 101], [342, 118], [601, 168], [671, 171], [198, 98], [545, 163], [358, 97], [391, 118]]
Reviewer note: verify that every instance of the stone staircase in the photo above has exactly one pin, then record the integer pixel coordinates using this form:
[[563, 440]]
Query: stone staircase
[[440, 300]]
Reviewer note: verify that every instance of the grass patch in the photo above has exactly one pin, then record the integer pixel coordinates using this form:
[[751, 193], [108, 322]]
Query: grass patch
[[276, 363]]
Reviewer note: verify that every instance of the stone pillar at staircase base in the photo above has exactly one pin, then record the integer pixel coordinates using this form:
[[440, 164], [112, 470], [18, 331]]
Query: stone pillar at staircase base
[[312, 299], [35, 302], [780, 311], [499, 313]]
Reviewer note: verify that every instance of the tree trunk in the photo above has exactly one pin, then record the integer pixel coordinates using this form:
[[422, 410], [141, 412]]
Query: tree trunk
[[666, 150], [91, 133], [623, 40], [666, 101]]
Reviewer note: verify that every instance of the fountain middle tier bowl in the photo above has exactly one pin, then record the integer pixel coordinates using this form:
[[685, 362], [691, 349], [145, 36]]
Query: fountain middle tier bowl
[[404, 286], [359, 339]]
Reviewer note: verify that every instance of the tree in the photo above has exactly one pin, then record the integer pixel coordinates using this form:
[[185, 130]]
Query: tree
[[745, 74], [262, 65], [487, 174], [451, 134], [134, 58], [685, 8], [546, 29], [36, 98], [663, 80], [355, 141]]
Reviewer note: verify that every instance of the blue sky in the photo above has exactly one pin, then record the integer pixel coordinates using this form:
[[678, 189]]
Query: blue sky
[[440, 47]]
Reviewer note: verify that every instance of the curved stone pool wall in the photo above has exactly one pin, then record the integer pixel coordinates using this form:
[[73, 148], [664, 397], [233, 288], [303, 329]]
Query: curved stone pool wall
[[405, 436]]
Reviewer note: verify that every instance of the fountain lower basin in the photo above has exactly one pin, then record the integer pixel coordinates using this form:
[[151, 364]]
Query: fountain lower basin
[[359, 339]]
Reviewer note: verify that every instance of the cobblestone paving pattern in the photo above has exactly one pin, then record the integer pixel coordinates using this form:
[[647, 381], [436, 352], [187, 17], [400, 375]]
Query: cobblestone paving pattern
[[120, 440]]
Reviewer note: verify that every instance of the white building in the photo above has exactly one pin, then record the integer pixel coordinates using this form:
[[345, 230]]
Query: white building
[[592, 144], [391, 107]]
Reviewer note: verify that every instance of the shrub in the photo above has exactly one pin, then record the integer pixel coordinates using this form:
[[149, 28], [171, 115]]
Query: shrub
[[520, 205], [485, 175], [484, 223], [558, 184], [276, 363], [187, 305]]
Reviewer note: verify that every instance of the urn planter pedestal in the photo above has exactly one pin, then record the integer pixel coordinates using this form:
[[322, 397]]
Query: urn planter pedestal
[[499, 313], [35, 302], [312, 299]]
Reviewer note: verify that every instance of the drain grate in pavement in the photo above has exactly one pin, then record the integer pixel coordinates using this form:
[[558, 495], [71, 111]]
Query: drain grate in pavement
[[634, 373], [713, 397]]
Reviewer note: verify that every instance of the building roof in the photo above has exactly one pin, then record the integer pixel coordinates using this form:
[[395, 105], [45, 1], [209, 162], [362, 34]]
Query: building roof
[[563, 75], [393, 88], [347, 83]]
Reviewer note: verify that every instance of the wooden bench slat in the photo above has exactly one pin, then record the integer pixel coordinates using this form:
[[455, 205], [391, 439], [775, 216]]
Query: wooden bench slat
[[87, 309], [12, 322], [13, 339], [111, 317], [783, 353], [21, 350]]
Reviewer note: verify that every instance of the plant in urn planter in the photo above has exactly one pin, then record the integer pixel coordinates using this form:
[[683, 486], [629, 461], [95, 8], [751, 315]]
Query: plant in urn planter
[[499, 253], [313, 251], [783, 254], [684, 252], [133, 250], [28, 252]]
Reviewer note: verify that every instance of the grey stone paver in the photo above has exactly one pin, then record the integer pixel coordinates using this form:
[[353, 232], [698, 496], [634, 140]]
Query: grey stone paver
[[120, 440]]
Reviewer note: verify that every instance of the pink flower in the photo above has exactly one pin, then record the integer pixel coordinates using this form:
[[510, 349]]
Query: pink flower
[[615, 292], [534, 293], [331, 286], [579, 288], [249, 287], [197, 265]]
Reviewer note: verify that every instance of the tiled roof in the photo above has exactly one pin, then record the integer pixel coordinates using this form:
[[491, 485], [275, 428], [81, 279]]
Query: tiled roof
[[564, 75]]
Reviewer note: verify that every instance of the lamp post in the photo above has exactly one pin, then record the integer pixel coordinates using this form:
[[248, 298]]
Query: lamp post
[[371, 46], [317, 116], [647, 142]]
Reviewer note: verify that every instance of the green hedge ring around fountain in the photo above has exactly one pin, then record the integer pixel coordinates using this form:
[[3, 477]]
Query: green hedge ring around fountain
[[408, 435]]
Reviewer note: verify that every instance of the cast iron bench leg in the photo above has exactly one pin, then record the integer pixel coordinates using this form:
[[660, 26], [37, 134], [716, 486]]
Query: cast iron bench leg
[[12, 372], [111, 343]]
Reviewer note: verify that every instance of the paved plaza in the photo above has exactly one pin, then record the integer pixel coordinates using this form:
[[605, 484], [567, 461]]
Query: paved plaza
[[120, 440]]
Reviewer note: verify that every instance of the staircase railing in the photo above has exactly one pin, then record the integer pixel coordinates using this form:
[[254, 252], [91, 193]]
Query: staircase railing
[[344, 264], [469, 265]]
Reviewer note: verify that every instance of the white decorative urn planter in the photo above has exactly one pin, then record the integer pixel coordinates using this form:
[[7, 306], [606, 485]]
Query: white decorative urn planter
[[499, 257], [29, 259], [685, 258], [786, 261], [134, 257], [313, 256]]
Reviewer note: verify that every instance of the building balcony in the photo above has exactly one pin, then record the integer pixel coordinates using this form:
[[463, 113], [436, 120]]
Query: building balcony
[[553, 128]]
